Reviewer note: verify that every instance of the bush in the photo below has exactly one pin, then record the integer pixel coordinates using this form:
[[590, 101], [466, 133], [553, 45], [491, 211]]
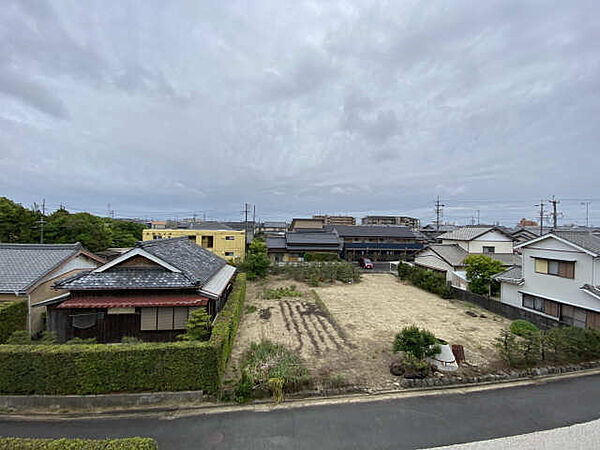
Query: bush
[[257, 262], [315, 272], [414, 367], [198, 326], [558, 345], [81, 341], [13, 317], [521, 327], [417, 342], [425, 279], [47, 338], [130, 340], [281, 292], [135, 443], [20, 337], [320, 257], [480, 269], [266, 361]]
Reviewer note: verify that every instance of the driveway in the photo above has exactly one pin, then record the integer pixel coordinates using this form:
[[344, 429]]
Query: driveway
[[417, 422]]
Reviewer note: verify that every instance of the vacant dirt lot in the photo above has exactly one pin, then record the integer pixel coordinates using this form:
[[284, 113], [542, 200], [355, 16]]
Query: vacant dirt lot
[[352, 338]]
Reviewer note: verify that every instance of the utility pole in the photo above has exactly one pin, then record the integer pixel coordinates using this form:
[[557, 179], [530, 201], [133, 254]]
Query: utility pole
[[478, 217], [246, 217], [42, 221], [587, 212], [253, 218], [541, 205], [554, 213], [438, 211]]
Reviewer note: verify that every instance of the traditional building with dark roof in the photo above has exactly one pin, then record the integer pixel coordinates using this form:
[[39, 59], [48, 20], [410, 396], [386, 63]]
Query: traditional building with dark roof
[[148, 292], [29, 271]]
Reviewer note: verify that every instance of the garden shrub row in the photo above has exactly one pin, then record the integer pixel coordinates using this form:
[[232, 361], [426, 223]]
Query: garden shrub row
[[13, 317], [426, 279], [226, 325], [530, 347], [78, 444], [316, 272], [98, 369]]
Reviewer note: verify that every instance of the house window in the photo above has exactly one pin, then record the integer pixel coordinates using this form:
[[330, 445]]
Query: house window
[[572, 315], [490, 249], [532, 302], [229, 254], [229, 238], [207, 241], [563, 269], [164, 318]]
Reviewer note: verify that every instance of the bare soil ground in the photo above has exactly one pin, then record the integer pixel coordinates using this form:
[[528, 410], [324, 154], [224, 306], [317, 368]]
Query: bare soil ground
[[352, 338]]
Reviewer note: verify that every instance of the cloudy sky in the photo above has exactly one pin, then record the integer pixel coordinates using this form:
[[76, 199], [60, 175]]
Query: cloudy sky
[[166, 108]]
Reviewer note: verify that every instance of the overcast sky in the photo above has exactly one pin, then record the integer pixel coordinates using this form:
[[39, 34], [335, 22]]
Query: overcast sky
[[164, 108]]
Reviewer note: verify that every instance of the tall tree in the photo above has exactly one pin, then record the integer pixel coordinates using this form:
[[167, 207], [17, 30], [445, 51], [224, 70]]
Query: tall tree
[[480, 269], [18, 224]]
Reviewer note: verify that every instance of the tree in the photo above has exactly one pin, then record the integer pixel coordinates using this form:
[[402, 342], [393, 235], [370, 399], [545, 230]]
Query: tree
[[63, 227], [257, 261], [419, 343], [480, 269], [198, 326], [18, 224]]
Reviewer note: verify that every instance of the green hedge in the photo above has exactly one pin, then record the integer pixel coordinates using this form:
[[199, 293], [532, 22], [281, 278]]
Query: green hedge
[[226, 325], [99, 369], [77, 444], [434, 282], [13, 317]]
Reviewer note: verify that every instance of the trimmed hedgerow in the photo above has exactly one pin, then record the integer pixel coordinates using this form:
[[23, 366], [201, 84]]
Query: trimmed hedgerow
[[99, 369], [135, 443], [226, 325], [13, 317], [426, 279]]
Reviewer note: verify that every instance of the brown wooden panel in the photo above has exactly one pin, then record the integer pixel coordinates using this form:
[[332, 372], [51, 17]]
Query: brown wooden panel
[[551, 308], [593, 320]]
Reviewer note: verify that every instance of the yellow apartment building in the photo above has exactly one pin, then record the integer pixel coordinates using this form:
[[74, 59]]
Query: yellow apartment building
[[226, 243]]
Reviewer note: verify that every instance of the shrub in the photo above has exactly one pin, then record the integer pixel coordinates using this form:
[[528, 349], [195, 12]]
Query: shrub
[[226, 324], [558, 345], [419, 343], [47, 338], [257, 262], [520, 327], [13, 317], [320, 257], [266, 360], [480, 269], [414, 367], [425, 279], [244, 388], [81, 341], [131, 340], [198, 326], [281, 292], [135, 443], [20, 337], [315, 272]]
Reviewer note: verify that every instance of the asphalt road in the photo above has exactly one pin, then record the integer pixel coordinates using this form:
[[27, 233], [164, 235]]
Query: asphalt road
[[415, 422]]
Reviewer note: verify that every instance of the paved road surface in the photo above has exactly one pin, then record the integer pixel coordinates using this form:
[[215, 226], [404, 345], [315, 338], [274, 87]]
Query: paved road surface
[[400, 423]]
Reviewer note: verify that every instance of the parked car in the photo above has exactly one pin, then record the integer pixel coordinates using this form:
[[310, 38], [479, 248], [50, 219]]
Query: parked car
[[365, 263]]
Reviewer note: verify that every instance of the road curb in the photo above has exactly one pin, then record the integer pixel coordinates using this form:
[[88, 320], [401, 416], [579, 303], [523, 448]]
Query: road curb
[[180, 410]]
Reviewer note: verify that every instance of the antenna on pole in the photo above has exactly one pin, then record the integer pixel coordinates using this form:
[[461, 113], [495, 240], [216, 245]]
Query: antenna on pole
[[541, 205], [438, 211], [42, 221], [587, 212]]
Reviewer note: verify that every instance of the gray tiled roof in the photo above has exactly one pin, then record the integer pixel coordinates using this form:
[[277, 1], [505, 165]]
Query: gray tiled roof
[[197, 266], [127, 279], [381, 231], [317, 237], [513, 275], [465, 233], [22, 265], [453, 254], [275, 243], [583, 239]]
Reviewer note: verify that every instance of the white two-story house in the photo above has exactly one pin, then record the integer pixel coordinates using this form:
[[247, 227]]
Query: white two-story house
[[448, 256], [559, 278]]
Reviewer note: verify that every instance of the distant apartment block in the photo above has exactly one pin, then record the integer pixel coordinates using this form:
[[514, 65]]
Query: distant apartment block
[[411, 222], [336, 220], [218, 238]]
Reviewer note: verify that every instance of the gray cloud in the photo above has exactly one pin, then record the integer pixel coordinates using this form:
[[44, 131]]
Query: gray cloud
[[298, 107]]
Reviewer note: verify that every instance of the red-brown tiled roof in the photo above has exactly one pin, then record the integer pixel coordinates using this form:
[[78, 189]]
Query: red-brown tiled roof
[[132, 301]]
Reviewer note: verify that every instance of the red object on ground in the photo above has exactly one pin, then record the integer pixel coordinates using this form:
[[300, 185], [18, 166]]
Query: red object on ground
[[132, 301], [459, 353]]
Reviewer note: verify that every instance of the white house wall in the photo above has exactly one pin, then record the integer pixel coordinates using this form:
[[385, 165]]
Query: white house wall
[[564, 290], [509, 294], [80, 262], [501, 243]]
